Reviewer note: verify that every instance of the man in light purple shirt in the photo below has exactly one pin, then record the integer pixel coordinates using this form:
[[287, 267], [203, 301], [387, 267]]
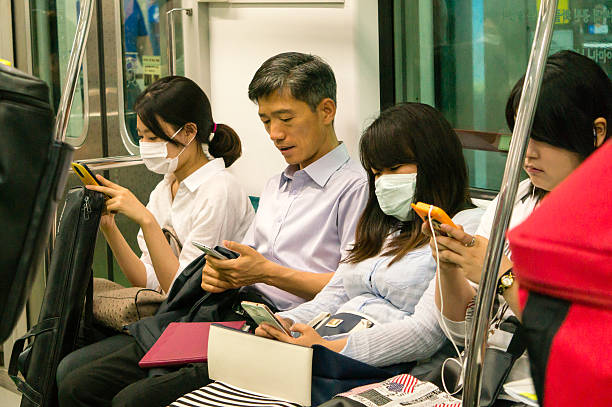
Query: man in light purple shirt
[[307, 214], [306, 220]]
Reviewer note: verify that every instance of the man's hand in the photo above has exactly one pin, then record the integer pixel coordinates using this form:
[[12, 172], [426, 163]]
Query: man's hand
[[249, 268]]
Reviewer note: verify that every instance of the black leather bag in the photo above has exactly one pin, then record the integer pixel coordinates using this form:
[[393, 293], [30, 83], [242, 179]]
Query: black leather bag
[[68, 281], [33, 170], [187, 302]]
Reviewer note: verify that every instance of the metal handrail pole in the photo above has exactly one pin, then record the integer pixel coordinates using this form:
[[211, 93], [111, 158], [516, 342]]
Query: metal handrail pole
[[171, 46], [107, 163], [507, 196], [72, 72], [63, 112]]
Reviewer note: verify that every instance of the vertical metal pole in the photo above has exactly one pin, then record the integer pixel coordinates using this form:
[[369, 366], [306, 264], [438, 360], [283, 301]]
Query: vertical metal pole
[[507, 196], [72, 73], [63, 112], [171, 48]]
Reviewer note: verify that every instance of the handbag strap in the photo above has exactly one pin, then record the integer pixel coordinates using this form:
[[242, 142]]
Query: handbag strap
[[136, 298], [517, 345], [171, 237], [28, 391]]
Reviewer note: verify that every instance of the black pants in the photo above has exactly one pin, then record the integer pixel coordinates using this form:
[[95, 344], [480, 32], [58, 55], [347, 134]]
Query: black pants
[[114, 379], [106, 373]]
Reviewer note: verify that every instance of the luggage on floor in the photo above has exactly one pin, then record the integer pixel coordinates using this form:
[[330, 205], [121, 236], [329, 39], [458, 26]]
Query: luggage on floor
[[68, 281]]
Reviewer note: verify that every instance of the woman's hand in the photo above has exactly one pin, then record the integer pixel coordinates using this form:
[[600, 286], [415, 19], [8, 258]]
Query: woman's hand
[[308, 336], [107, 221], [121, 200], [286, 322], [465, 251], [445, 267]]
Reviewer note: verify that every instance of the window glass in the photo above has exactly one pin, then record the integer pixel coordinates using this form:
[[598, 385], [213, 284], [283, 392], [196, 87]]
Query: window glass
[[53, 27], [144, 38], [463, 57]]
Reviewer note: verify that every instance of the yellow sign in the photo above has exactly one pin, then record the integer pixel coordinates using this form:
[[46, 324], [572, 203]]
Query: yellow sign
[[5, 62], [563, 14], [152, 68]]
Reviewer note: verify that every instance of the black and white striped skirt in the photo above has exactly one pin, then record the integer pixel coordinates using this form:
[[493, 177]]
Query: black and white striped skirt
[[219, 394]]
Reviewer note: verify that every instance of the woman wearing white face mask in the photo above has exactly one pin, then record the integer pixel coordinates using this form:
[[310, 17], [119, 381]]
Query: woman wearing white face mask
[[197, 199], [411, 154]]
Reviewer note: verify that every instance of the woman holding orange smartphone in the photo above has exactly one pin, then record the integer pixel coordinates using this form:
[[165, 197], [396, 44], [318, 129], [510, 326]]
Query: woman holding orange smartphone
[[571, 121]]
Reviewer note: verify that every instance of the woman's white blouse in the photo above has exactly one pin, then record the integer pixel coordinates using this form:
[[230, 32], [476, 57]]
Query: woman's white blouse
[[210, 206]]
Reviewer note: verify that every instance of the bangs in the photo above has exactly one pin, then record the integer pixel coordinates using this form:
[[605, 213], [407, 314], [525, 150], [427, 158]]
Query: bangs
[[145, 112], [571, 97], [550, 124], [541, 129], [379, 150]]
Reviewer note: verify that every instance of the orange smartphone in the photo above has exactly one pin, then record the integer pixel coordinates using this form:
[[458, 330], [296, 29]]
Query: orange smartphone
[[85, 174], [438, 216]]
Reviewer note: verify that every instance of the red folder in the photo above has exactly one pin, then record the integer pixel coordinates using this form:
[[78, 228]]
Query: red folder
[[182, 343]]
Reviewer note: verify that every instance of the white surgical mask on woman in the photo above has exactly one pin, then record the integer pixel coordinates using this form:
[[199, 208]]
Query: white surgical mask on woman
[[155, 155], [395, 193]]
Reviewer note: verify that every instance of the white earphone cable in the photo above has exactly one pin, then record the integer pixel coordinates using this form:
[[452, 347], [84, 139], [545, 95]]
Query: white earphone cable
[[443, 323]]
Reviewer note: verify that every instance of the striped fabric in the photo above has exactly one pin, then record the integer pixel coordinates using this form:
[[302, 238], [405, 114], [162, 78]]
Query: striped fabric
[[219, 394]]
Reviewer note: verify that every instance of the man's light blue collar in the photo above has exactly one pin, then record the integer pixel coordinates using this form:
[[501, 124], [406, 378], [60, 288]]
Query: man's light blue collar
[[321, 170]]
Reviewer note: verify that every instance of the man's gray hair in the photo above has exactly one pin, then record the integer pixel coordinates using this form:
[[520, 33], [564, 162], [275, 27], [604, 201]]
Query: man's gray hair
[[307, 77]]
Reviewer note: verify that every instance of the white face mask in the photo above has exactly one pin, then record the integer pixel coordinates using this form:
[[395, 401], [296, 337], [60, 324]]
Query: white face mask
[[155, 155], [395, 193]]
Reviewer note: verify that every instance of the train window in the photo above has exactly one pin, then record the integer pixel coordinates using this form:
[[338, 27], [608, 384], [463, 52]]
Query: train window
[[463, 57], [53, 26], [144, 36]]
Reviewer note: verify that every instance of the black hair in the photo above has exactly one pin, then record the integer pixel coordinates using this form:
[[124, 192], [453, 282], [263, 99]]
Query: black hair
[[178, 101], [410, 133], [575, 91], [307, 77]]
